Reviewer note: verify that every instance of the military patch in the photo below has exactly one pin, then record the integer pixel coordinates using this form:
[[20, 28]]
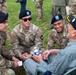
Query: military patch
[[57, 17], [68, 18], [27, 13], [72, 20]]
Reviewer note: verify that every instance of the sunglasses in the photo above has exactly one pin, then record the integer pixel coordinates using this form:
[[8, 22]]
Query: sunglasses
[[27, 19]]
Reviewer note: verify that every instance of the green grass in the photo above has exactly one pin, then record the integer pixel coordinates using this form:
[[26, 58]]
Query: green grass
[[14, 9]]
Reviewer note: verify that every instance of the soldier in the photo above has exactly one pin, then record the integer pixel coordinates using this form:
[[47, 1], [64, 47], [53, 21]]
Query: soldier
[[3, 6], [25, 37], [5, 57], [39, 4], [59, 6], [72, 5], [58, 35]]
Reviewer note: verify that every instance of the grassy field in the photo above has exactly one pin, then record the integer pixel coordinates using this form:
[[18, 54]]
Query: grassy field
[[14, 9]]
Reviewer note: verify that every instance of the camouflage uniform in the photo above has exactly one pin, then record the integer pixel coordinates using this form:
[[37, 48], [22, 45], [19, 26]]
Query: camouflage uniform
[[59, 5], [5, 64], [72, 5], [58, 40], [3, 6], [39, 4], [26, 41]]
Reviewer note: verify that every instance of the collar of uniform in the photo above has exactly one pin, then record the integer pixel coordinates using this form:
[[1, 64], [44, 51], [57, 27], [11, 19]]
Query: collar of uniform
[[22, 30], [71, 43], [63, 33], [31, 26]]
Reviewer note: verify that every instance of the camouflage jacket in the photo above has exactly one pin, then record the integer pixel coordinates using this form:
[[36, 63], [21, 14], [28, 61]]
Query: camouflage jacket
[[22, 41], [72, 2], [60, 2], [58, 40], [3, 6], [72, 5], [4, 54]]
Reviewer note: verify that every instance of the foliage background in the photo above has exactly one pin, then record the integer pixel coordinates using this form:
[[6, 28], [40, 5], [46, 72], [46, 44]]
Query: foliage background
[[13, 11]]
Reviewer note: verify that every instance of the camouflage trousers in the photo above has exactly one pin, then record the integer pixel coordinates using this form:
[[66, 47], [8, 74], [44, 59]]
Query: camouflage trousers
[[58, 9], [7, 72], [3, 7], [73, 12], [39, 8]]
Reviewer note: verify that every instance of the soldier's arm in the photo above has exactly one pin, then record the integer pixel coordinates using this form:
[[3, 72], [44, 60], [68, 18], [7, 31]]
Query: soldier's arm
[[16, 48], [50, 40], [8, 63], [11, 61], [5, 53], [38, 40]]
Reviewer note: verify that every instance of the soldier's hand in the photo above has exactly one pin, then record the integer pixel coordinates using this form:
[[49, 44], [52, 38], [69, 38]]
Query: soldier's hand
[[27, 55], [15, 59], [24, 56], [16, 64], [21, 57]]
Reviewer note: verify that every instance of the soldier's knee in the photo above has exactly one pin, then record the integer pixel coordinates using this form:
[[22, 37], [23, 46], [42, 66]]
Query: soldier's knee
[[9, 72]]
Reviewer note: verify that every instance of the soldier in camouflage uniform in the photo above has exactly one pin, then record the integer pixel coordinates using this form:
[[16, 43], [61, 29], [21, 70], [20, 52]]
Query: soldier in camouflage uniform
[[5, 57], [72, 5], [58, 35], [59, 5], [25, 37], [39, 4], [3, 6]]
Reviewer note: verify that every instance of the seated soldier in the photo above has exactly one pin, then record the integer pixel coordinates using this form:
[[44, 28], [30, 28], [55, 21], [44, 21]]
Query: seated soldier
[[25, 36], [7, 61], [58, 35]]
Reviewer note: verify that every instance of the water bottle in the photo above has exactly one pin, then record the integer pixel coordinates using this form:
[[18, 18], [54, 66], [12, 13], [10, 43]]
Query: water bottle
[[36, 51]]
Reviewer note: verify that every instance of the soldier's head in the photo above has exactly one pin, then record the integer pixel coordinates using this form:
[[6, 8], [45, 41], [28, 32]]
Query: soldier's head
[[25, 18], [71, 27], [58, 22], [3, 21]]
